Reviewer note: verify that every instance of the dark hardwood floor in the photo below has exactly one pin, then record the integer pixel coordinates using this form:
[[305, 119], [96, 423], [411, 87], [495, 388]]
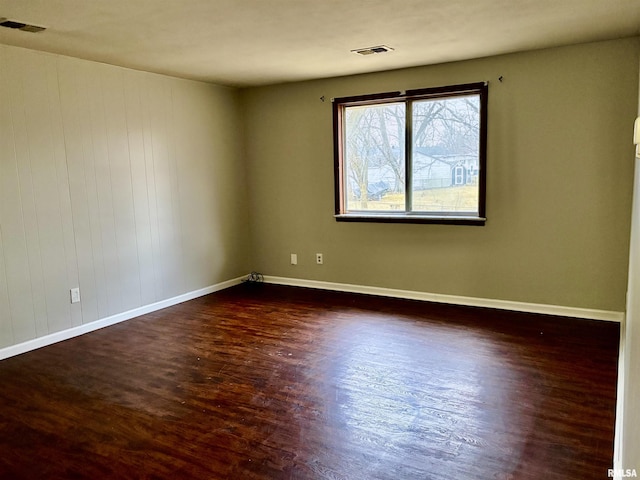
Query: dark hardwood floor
[[268, 382]]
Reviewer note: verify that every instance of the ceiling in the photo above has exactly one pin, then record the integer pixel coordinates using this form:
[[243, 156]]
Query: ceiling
[[259, 42]]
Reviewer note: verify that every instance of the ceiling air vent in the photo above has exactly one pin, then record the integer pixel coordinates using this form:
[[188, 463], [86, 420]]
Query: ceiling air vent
[[372, 50], [25, 27]]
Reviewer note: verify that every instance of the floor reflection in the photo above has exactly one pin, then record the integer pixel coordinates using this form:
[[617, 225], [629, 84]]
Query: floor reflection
[[416, 394]]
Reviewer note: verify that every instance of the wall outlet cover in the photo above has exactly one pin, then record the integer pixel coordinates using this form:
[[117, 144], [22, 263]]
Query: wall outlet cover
[[75, 295]]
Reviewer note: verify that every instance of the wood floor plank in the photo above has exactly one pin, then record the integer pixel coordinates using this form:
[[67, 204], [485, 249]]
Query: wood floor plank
[[269, 382]]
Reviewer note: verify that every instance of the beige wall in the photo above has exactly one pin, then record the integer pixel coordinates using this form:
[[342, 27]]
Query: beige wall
[[127, 184], [559, 183], [133, 186]]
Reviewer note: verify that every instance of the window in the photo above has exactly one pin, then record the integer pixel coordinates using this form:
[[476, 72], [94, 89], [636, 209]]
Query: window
[[418, 156]]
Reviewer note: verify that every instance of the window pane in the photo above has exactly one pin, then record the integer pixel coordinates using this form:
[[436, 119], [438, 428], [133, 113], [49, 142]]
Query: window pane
[[374, 139], [446, 160]]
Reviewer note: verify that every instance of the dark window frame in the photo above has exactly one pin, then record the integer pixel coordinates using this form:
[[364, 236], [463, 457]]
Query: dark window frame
[[339, 105]]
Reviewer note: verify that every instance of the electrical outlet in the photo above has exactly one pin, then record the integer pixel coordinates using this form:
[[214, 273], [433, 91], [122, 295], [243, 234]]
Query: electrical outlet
[[75, 295], [319, 259], [294, 259]]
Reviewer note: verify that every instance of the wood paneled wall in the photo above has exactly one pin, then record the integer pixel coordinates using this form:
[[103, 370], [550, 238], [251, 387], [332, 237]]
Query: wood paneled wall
[[127, 184]]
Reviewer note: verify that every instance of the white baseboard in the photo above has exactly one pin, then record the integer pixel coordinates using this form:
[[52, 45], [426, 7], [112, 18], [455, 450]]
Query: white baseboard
[[39, 342], [105, 322], [562, 311]]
